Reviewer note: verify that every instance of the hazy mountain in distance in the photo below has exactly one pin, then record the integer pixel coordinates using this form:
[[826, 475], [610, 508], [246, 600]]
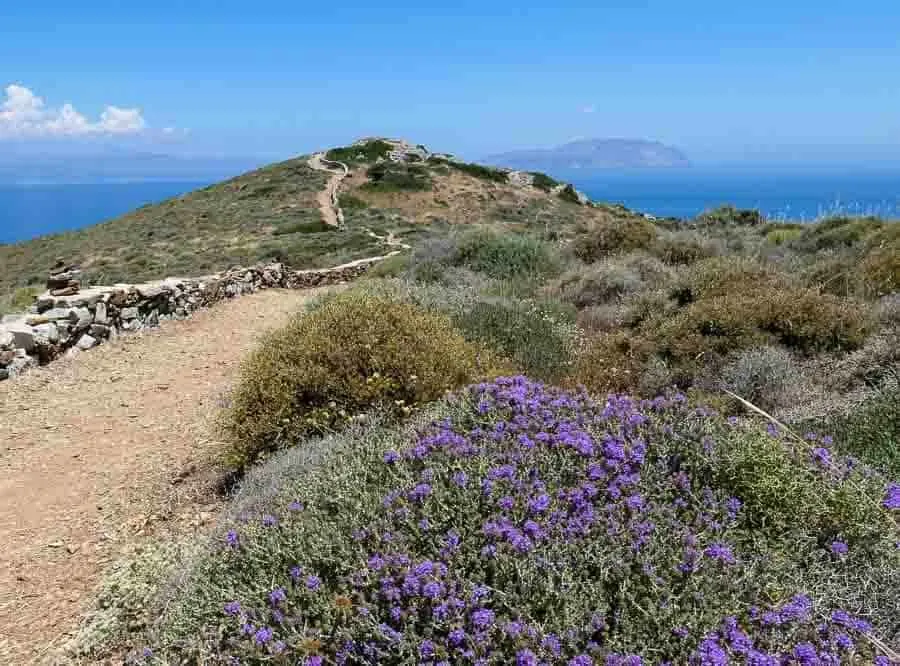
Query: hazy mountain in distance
[[61, 163], [593, 154]]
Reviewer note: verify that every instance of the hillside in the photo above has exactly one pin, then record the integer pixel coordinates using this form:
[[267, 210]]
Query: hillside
[[541, 430], [594, 154], [272, 213]]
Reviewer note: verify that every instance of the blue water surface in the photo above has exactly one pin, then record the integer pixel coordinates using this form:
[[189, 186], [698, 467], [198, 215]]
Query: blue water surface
[[801, 194], [27, 211], [807, 193]]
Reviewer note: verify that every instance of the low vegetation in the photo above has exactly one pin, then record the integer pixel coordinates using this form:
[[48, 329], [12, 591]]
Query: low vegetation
[[239, 222], [411, 497], [398, 176], [353, 354], [365, 152], [477, 170], [527, 524]]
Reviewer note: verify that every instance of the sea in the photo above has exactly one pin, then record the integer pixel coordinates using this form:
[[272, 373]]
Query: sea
[[28, 211], [801, 194]]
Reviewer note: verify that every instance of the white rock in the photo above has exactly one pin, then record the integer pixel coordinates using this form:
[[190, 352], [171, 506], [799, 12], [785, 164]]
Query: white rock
[[20, 365], [86, 342], [58, 314], [128, 314], [7, 340], [49, 331], [100, 314], [150, 291], [85, 318], [22, 334]]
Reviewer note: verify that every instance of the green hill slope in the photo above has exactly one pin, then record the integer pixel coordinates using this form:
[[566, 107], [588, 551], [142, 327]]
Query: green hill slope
[[272, 214]]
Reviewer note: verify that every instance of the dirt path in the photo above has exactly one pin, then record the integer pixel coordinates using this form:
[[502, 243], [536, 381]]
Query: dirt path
[[327, 198], [95, 449]]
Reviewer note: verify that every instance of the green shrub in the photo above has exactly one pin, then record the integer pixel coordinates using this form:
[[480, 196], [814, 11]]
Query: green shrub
[[390, 267], [610, 279], [783, 236], [805, 320], [683, 247], [800, 319], [880, 267], [569, 195], [780, 490], [729, 215], [475, 170], [722, 276], [715, 326], [368, 151], [869, 430], [608, 362], [301, 228], [353, 353], [877, 360], [351, 202], [398, 177], [836, 233], [542, 181], [19, 300], [832, 273], [508, 256], [538, 338], [609, 236], [766, 376]]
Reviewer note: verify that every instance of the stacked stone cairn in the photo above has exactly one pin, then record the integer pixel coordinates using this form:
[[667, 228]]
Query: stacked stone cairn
[[64, 280]]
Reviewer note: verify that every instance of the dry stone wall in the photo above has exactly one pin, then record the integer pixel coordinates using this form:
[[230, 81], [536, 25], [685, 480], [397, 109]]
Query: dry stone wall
[[61, 324]]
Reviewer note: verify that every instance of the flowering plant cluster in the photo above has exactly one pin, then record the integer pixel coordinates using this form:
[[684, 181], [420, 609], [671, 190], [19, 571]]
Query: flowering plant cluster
[[531, 525]]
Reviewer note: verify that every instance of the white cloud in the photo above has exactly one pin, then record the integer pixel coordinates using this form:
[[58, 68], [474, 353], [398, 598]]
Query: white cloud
[[24, 114], [589, 109]]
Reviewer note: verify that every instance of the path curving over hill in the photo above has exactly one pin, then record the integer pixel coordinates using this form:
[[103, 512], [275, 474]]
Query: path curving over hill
[[328, 198], [104, 448]]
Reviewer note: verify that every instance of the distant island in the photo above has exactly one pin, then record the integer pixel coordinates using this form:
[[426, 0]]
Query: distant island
[[54, 162], [593, 154]]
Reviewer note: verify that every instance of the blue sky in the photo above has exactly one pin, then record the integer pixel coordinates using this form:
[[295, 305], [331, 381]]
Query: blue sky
[[779, 80]]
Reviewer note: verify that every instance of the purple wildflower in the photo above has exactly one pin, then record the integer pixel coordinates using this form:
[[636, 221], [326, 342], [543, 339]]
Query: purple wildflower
[[313, 582], [721, 552], [426, 649], [892, 497], [277, 596], [262, 635], [483, 618]]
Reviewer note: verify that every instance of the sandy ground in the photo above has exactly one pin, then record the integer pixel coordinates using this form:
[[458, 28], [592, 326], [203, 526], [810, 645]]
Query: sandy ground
[[327, 197], [97, 449]]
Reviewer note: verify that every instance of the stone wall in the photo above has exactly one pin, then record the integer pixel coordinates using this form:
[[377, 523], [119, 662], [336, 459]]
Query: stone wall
[[57, 325]]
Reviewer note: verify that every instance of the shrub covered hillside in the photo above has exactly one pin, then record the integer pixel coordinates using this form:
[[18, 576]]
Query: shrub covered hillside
[[271, 214], [529, 525], [557, 434]]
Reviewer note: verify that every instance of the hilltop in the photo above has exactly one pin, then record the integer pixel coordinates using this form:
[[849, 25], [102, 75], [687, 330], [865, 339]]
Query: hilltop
[[272, 214], [594, 154]]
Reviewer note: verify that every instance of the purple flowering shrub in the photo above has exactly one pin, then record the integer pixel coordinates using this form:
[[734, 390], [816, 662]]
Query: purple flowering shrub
[[531, 525]]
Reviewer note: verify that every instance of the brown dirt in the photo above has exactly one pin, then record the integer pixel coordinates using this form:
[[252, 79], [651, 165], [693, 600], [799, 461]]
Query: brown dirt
[[100, 450], [325, 198]]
